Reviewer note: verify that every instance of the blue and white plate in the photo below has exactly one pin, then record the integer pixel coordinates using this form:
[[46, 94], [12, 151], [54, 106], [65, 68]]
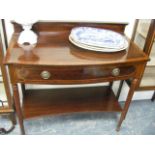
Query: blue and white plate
[[97, 37], [99, 49]]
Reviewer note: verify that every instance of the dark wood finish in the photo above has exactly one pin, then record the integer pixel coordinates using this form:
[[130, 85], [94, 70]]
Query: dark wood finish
[[68, 64], [18, 108], [61, 101], [60, 52], [127, 103], [47, 26], [71, 75]]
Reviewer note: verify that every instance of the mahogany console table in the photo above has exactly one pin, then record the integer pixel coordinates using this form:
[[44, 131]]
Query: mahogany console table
[[56, 61]]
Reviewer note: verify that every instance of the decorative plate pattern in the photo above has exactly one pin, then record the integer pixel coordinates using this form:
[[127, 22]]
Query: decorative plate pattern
[[98, 37], [99, 49]]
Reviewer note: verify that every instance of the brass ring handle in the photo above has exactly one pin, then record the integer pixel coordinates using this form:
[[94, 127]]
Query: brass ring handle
[[45, 75], [115, 71]]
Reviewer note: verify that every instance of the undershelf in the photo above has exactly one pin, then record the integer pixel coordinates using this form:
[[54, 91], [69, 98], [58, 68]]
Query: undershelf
[[60, 101]]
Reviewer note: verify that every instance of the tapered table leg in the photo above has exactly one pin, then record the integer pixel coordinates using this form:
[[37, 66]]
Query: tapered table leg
[[127, 103], [18, 108]]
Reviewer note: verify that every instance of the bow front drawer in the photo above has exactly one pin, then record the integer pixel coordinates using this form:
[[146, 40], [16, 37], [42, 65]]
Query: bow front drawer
[[68, 75]]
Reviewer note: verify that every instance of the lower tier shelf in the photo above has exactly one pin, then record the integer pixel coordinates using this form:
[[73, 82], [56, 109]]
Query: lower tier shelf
[[71, 100]]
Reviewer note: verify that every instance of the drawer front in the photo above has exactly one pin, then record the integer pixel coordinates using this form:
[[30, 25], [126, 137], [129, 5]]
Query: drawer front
[[47, 74]]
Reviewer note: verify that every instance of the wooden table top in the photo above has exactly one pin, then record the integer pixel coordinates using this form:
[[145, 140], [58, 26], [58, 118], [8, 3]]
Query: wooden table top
[[54, 49]]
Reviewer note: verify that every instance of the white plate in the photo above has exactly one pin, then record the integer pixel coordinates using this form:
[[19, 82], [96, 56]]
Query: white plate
[[99, 49], [98, 37]]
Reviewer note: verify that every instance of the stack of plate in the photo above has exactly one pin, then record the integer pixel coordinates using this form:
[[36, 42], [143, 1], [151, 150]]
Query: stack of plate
[[98, 39]]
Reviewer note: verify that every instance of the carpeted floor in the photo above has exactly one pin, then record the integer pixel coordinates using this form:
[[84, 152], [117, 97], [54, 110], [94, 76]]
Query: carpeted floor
[[139, 121]]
